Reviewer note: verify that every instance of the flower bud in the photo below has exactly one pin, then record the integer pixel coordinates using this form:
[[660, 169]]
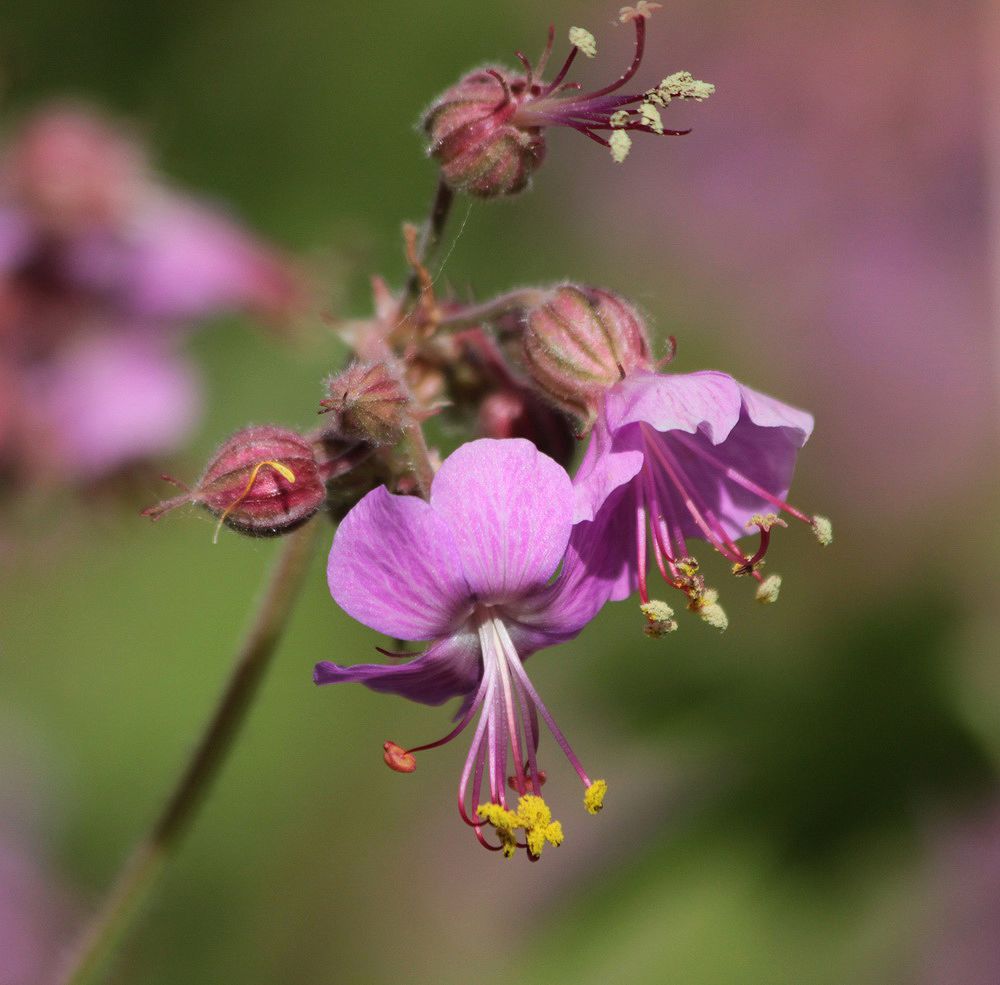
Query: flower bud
[[473, 136], [579, 341], [264, 481], [368, 403]]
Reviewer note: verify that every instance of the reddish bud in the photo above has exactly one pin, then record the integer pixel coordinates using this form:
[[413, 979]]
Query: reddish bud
[[264, 482], [368, 402], [473, 136], [579, 341], [398, 759]]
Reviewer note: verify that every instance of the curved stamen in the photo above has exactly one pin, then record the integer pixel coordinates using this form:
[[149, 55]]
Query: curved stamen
[[515, 662], [640, 44], [561, 74], [740, 479], [543, 59]]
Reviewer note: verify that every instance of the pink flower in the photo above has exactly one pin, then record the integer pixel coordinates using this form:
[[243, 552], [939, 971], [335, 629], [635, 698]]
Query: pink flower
[[693, 456], [470, 571]]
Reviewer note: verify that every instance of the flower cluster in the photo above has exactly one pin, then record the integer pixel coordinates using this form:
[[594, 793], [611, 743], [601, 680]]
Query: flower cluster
[[497, 552]]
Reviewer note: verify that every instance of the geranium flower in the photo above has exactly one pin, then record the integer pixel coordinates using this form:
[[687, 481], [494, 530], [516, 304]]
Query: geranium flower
[[690, 456], [471, 571]]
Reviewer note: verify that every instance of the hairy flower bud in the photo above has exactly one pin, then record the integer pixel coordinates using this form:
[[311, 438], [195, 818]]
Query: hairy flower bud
[[264, 481], [579, 341], [368, 402], [473, 136]]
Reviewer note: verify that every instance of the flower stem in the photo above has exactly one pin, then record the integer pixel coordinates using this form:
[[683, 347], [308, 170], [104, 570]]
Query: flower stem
[[444, 198], [141, 871]]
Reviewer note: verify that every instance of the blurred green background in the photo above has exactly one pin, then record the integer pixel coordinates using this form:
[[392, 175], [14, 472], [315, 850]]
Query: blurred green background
[[785, 799]]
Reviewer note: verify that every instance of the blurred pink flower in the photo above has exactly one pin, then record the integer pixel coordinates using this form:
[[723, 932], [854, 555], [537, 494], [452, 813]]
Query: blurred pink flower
[[101, 267], [109, 400]]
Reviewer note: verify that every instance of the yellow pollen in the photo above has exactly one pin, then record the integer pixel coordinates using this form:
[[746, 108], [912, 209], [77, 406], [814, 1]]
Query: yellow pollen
[[620, 143], [619, 117], [644, 8], [593, 799], [682, 85], [282, 470], [765, 521], [660, 618], [823, 529], [651, 117], [767, 590], [584, 40], [706, 605], [533, 816]]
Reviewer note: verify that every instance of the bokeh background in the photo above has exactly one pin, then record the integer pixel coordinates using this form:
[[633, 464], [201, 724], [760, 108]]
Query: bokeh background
[[810, 798]]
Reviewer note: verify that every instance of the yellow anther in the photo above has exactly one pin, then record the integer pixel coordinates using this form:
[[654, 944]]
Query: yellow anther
[[682, 86], [644, 8], [620, 143], [533, 816], [767, 590], [283, 470], [584, 40], [651, 117], [765, 521], [706, 605], [823, 529], [619, 117], [593, 798], [660, 618]]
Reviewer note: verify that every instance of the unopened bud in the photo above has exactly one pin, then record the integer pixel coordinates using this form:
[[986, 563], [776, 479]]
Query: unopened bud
[[472, 135], [578, 342], [398, 759], [368, 402], [264, 481]]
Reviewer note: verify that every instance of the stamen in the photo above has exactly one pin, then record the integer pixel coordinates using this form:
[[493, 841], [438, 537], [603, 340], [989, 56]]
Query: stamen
[[398, 759], [640, 45], [767, 591], [620, 143], [593, 799], [660, 618], [584, 40], [823, 529]]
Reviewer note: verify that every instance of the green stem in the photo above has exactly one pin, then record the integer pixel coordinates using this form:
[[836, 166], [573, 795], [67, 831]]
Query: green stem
[[141, 871]]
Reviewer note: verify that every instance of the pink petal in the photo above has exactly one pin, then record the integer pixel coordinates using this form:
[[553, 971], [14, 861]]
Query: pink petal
[[394, 566], [609, 462], [767, 412], [451, 667], [510, 509], [707, 401]]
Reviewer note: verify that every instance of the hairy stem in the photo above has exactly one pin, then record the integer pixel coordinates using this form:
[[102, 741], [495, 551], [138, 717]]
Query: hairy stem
[[142, 869]]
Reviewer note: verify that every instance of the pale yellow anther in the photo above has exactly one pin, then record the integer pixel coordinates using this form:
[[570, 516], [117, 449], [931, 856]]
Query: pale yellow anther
[[593, 798], [682, 85], [660, 618], [644, 8], [768, 589], [651, 117], [584, 40], [765, 521], [620, 144], [619, 117], [823, 529], [707, 607]]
